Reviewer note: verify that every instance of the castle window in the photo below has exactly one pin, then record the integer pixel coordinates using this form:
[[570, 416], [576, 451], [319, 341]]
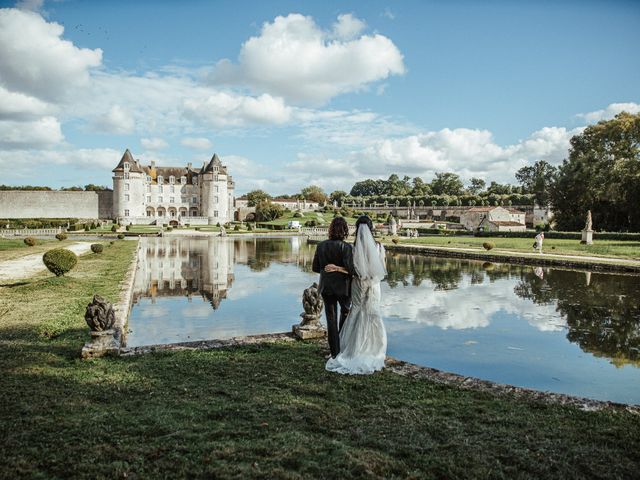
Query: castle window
[[126, 165], [160, 180], [194, 200], [148, 179], [126, 175], [172, 179], [217, 188], [183, 180], [160, 189], [194, 180], [126, 186], [126, 197], [148, 188], [171, 200], [160, 199], [126, 213], [149, 199], [216, 199], [173, 189], [215, 213]]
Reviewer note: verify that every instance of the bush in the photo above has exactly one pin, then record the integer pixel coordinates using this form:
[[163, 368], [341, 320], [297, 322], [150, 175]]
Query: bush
[[59, 261], [30, 241], [395, 240], [298, 215], [96, 248], [61, 236], [488, 245], [169, 229], [218, 225], [197, 229], [249, 228], [120, 236], [86, 228], [128, 227], [114, 228], [311, 223], [236, 228]]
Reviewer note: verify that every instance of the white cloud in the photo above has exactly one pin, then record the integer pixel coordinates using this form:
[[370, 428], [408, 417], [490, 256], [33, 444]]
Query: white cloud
[[43, 132], [153, 143], [223, 109], [348, 27], [17, 105], [117, 121], [36, 61], [293, 58], [611, 111], [197, 143], [33, 5]]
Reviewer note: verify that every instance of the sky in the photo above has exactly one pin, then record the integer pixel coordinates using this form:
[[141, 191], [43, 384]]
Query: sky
[[294, 93]]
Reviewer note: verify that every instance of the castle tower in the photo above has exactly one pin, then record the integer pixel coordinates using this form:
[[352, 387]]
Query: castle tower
[[217, 201], [128, 189]]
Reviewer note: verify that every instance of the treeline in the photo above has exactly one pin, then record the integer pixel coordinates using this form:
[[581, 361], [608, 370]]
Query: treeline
[[87, 188]]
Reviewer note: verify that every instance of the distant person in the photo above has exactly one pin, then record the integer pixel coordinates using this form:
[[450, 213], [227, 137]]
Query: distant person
[[335, 287], [538, 242]]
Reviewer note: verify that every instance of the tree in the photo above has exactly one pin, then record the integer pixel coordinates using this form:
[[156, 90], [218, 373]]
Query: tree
[[337, 196], [419, 188], [256, 196], [267, 211], [71, 189], [496, 188], [397, 187], [537, 179], [94, 188], [368, 187], [447, 184], [476, 186], [314, 193], [602, 174]]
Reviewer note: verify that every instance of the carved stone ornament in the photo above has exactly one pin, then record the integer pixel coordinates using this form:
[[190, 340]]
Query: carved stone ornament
[[588, 224], [100, 315], [312, 304]]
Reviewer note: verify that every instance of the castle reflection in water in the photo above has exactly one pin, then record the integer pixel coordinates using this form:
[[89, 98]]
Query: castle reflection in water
[[191, 266]]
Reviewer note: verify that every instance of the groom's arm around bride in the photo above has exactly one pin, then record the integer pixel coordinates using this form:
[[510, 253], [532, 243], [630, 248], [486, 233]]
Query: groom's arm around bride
[[335, 287]]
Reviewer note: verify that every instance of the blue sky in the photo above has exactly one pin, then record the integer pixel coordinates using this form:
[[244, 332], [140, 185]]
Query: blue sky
[[294, 93]]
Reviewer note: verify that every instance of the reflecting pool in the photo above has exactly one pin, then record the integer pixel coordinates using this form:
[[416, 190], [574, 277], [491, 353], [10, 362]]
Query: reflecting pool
[[549, 329]]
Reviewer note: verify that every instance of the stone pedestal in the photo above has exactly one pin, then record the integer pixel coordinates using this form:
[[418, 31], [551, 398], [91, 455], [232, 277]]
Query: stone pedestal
[[587, 237], [101, 344], [310, 327]]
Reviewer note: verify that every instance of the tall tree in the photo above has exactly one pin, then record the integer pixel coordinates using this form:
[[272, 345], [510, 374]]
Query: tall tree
[[419, 188], [496, 188], [314, 193], [537, 179], [447, 184], [368, 187], [476, 185], [337, 196], [256, 196], [602, 174]]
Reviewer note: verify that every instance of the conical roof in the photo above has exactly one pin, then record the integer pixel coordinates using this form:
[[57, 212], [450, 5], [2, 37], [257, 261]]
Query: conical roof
[[214, 162], [128, 158]]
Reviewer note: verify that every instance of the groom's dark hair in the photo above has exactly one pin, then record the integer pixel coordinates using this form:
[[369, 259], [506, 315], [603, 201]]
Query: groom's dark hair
[[338, 229]]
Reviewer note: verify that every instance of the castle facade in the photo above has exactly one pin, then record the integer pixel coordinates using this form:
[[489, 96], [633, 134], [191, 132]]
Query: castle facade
[[172, 195]]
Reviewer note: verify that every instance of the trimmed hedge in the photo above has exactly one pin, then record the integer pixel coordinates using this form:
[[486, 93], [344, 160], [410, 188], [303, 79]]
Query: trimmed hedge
[[121, 236], [38, 222], [96, 248], [488, 245], [564, 235], [61, 236], [59, 261], [30, 241]]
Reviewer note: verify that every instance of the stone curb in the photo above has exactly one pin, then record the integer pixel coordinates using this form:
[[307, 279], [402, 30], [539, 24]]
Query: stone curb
[[516, 259]]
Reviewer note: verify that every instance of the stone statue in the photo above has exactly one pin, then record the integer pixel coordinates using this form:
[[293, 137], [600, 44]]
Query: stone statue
[[588, 224], [393, 226], [100, 315], [312, 304], [310, 327]]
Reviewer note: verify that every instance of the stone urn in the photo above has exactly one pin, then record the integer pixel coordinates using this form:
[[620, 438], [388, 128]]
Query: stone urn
[[310, 326], [101, 318]]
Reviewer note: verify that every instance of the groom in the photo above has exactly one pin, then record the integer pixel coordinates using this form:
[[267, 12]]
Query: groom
[[335, 287]]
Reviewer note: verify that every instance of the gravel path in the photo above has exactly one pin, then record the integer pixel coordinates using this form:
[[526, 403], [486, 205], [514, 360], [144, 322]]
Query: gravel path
[[29, 265]]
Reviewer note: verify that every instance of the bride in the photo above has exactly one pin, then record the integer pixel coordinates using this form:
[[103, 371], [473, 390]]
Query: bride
[[363, 339]]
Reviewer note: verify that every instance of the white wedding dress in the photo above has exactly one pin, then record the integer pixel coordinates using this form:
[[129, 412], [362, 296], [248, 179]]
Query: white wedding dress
[[363, 338]]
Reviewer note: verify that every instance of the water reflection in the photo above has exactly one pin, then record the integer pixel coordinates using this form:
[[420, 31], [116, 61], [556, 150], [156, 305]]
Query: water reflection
[[550, 329]]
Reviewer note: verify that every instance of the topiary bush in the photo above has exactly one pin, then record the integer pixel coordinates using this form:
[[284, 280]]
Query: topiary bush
[[61, 236], [59, 261], [30, 241], [120, 236], [236, 228], [96, 248], [128, 227], [249, 227], [488, 245], [169, 229], [114, 228], [395, 240]]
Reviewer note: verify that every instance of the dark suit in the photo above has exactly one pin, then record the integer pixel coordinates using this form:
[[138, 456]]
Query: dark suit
[[335, 287]]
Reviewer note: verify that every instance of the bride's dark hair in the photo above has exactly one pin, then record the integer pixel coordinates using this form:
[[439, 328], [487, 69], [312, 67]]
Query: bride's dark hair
[[363, 220]]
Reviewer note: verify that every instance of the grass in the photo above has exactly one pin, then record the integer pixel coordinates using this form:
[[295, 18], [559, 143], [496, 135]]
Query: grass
[[606, 248], [325, 217], [259, 411], [11, 249]]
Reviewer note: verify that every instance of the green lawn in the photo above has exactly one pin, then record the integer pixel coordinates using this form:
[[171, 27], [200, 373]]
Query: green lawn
[[15, 248], [261, 411], [607, 248]]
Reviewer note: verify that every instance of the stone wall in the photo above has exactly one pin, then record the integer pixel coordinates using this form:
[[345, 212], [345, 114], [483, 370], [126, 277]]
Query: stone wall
[[54, 204]]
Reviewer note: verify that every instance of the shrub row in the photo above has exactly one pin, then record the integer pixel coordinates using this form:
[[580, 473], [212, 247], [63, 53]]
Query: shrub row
[[563, 235], [37, 222]]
